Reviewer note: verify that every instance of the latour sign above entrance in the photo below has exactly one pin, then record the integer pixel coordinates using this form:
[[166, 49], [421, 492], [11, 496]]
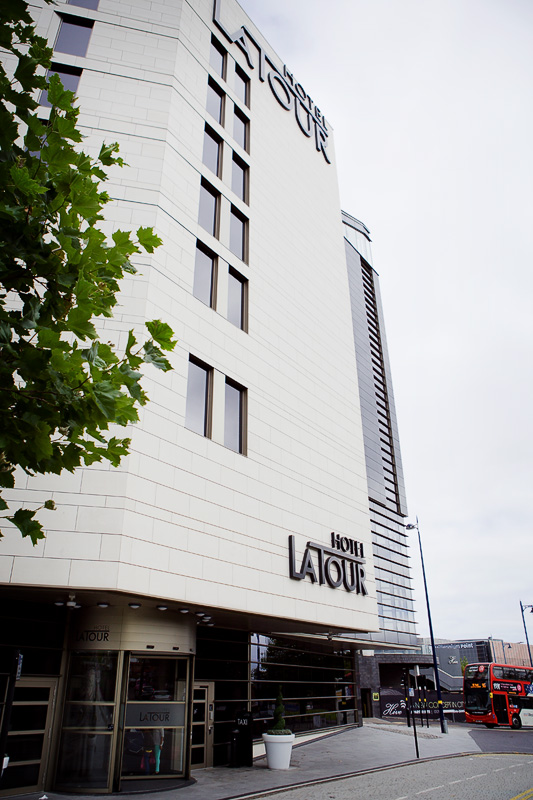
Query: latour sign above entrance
[[288, 92], [338, 565]]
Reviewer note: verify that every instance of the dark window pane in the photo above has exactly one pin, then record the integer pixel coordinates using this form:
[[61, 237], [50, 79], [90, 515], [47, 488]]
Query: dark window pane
[[70, 78], [88, 715], [85, 3], [25, 747], [28, 718], [240, 129], [197, 755], [214, 104], [92, 676], [198, 734], [73, 36], [235, 299], [217, 58], [196, 410], [238, 178], [241, 85], [233, 418], [237, 234], [15, 777], [207, 213], [211, 154], [84, 760], [156, 679], [203, 277]]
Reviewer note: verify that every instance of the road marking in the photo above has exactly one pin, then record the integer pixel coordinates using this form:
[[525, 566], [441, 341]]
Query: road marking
[[481, 775], [500, 769], [451, 782], [524, 796], [431, 789]]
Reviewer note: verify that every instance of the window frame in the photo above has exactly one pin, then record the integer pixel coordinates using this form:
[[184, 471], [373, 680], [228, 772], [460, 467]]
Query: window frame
[[245, 83], [238, 114], [236, 214], [206, 251], [74, 22], [208, 396], [237, 276], [91, 4], [205, 186], [211, 134], [245, 168], [223, 53], [215, 89], [243, 415]]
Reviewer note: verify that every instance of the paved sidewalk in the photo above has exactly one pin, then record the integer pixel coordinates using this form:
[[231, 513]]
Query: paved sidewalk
[[376, 745]]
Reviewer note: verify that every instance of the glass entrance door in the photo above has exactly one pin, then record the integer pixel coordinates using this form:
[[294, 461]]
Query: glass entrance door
[[202, 725], [87, 738], [28, 740], [154, 719]]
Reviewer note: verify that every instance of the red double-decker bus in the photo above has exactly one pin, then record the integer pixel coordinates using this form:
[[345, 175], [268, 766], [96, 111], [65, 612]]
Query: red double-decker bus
[[498, 694]]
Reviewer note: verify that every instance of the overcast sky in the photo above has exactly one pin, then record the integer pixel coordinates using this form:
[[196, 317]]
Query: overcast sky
[[432, 106]]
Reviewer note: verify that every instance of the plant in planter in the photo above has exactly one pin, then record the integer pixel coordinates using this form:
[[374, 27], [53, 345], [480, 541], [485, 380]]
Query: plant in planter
[[279, 739]]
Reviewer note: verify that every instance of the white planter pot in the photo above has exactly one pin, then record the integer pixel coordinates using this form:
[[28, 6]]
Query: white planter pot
[[278, 750]]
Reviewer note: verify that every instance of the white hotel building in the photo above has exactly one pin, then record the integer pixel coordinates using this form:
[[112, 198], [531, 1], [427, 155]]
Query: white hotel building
[[233, 551]]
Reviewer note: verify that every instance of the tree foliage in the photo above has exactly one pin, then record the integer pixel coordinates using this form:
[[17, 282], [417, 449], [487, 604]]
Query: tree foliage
[[61, 386]]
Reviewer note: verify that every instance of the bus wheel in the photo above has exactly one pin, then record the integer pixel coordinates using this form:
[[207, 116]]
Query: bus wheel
[[516, 722], [490, 724]]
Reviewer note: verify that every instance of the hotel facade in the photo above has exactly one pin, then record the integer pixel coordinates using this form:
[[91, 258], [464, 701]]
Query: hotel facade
[[235, 550]]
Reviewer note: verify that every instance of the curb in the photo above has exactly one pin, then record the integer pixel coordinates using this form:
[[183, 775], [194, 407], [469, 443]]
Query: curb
[[332, 778]]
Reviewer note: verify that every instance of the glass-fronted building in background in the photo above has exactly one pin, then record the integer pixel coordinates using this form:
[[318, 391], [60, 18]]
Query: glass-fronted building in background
[[234, 551], [381, 669]]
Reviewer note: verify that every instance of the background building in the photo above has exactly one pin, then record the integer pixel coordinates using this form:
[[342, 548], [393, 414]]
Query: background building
[[234, 551], [454, 655], [382, 668]]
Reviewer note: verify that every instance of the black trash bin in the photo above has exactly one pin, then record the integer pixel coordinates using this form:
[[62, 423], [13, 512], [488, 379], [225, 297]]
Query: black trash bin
[[242, 754]]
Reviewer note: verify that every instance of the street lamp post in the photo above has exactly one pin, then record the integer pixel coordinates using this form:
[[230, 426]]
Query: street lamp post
[[522, 609], [443, 725]]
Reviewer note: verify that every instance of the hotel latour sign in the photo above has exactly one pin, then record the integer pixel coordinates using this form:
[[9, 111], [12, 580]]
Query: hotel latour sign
[[342, 564], [288, 92]]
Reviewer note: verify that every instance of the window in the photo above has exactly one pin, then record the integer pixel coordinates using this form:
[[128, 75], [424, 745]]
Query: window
[[198, 391], [211, 154], [70, 78], [234, 417], [239, 178], [242, 86], [240, 129], [237, 299], [237, 234], [85, 3], [208, 210], [204, 276], [217, 59], [215, 102], [73, 37]]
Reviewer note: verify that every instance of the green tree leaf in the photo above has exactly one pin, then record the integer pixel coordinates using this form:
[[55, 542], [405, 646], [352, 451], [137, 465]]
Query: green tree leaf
[[27, 525], [162, 334]]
